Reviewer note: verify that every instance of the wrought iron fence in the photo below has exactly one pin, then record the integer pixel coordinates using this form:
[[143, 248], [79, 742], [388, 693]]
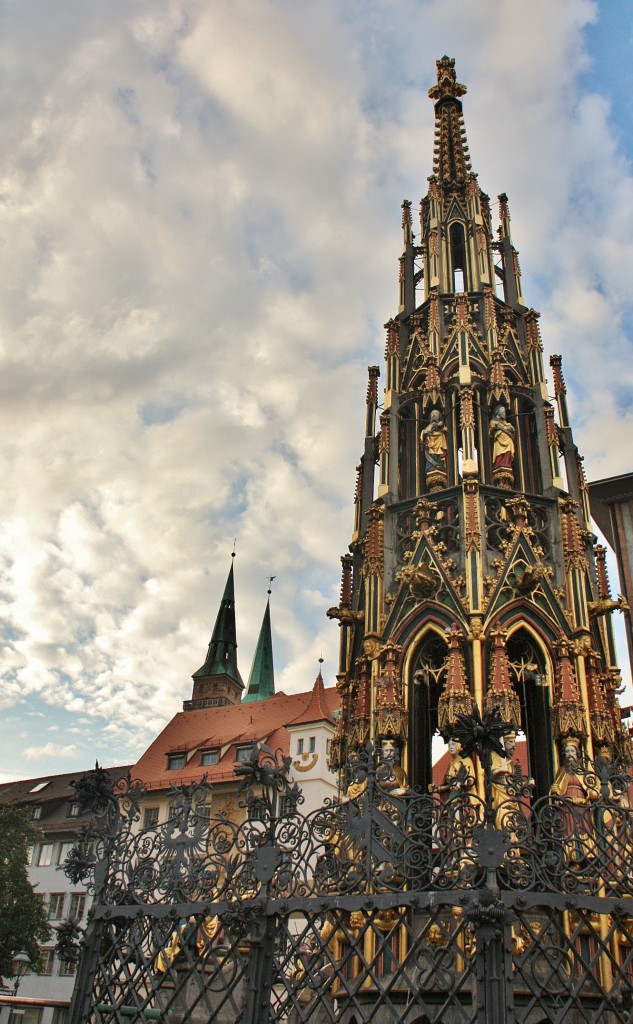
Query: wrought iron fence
[[388, 905]]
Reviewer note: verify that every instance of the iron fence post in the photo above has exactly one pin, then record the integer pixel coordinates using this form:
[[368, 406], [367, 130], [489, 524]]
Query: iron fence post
[[80, 1009], [493, 957], [259, 980]]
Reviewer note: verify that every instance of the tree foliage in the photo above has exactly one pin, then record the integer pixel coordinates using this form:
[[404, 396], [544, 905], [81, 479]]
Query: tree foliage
[[23, 921]]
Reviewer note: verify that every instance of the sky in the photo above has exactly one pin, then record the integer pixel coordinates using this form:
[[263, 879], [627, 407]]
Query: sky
[[200, 236]]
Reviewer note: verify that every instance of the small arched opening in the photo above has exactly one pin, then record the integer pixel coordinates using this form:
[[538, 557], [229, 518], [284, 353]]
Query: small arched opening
[[530, 672], [458, 257], [428, 679]]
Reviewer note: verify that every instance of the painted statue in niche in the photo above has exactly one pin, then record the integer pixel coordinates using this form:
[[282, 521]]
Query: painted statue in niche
[[506, 786], [460, 774], [579, 789], [434, 441], [396, 783], [502, 437]]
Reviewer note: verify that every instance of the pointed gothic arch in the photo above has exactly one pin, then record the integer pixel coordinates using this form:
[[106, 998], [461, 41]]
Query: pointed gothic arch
[[458, 257], [427, 669], [531, 672]]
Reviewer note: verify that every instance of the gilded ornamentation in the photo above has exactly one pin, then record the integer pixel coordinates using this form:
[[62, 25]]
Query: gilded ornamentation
[[422, 580], [530, 578], [346, 616], [372, 648], [605, 605]]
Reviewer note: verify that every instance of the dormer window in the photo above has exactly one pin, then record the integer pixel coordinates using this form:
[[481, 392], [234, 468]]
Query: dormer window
[[243, 753], [209, 757], [73, 809], [175, 761]]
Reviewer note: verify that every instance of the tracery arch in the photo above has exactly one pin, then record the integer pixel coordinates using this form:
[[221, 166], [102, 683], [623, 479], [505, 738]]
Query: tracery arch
[[531, 673], [427, 677]]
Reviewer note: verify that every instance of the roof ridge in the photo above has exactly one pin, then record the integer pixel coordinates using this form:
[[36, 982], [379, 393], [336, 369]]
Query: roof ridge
[[317, 709]]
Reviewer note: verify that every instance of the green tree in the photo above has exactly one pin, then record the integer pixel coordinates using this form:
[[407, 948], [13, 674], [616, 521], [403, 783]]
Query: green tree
[[23, 921]]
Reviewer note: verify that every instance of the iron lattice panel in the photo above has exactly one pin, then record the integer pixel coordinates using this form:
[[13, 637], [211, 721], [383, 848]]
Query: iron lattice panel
[[572, 963], [380, 907]]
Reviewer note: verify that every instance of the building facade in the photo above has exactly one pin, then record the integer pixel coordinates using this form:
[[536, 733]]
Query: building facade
[[52, 804]]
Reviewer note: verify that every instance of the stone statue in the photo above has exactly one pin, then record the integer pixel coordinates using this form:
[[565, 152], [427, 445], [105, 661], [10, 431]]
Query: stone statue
[[434, 441], [504, 790], [396, 785], [569, 781], [188, 933], [502, 436], [460, 774], [581, 790]]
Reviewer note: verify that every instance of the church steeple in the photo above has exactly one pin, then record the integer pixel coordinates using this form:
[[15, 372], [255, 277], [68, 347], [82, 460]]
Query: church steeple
[[472, 574], [218, 681], [261, 681]]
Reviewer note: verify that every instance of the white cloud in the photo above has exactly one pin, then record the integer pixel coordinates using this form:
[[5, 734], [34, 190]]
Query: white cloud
[[202, 211], [49, 750]]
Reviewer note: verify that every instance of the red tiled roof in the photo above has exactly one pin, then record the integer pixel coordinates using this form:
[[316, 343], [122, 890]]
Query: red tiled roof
[[317, 709], [224, 728]]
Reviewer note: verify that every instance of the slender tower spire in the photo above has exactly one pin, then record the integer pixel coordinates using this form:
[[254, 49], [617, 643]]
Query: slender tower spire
[[218, 681], [261, 681], [451, 161]]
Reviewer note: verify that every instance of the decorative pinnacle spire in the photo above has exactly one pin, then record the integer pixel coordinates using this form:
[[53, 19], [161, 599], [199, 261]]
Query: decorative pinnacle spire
[[221, 657], [261, 681], [451, 159], [447, 84]]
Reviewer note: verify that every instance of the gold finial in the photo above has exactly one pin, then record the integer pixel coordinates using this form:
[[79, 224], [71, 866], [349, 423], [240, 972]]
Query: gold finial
[[447, 84]]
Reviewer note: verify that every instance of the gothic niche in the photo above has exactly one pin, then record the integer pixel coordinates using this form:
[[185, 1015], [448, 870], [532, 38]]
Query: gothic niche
[[434, 445], [530, 681], [429, 679], [502, 446], [408, 482]]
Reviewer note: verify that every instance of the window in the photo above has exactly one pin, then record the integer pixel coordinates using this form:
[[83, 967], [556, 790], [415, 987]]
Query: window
[[300, 746], [209, 757], [312, 744], [286, 806], [63, 851], [56, 906], [35, 812], [39, 786], [47, 962], [77, 905], [60, 1015], [150, 817], [175, 761], [45, 855], [26, 1015], [243, 754], [73, 809], [67, 970]]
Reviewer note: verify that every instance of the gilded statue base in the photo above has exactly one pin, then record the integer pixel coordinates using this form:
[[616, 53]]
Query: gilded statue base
[[436, 480], [503, 477]]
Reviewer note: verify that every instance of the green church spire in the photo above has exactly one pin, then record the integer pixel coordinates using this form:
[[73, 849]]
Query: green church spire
[[221, 657], [261, 682]]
